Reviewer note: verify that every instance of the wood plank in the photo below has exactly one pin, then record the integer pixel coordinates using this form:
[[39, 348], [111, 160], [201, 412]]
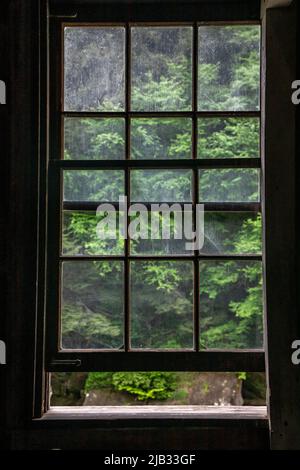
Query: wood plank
[[158, 412]]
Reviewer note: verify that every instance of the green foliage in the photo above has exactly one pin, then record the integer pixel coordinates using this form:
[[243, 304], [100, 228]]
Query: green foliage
[[98, 381], [242, 376], [146, 386]]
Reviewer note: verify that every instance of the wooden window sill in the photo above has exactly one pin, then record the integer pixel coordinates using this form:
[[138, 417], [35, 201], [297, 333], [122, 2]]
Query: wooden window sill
[[256, 415]]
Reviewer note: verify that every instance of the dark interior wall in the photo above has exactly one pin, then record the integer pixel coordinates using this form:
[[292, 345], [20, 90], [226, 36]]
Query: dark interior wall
[[19, 61], [19, 147]]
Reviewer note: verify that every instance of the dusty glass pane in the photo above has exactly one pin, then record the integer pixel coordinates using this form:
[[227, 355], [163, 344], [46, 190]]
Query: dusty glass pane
[[161, 185], [91, 317], [94, 68], [94, 139], [234, 185], [162, 305], [232, 233], [93, 185], [161, 138], [89, 233], [231, 305], [229, 68], [228, 138], [161, 69]]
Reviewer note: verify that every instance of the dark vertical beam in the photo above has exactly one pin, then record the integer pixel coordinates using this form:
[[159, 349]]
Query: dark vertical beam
[[23, 156], [40, 384], [4, 75], [297, 332], [196, 319], [126, 265], [279, 164]]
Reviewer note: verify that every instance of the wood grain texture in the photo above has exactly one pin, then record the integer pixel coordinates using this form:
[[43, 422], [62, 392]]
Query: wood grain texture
[[158, 412]]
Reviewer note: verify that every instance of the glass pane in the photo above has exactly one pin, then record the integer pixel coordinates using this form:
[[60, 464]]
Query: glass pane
[[231, 306], [93, 185], [232, 233], [229, 138], [161, 186], [94, 69], [234, 185], [229, 68], [162, 305], [161, 138], [161, 69], [94, 139], [89, 233], [92, 305], [162, 233]]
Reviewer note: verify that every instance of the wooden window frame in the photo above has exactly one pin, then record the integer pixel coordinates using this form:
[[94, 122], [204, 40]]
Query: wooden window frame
[[58, 360]]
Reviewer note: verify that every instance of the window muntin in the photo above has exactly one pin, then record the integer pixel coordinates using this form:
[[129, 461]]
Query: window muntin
[[114, 138]]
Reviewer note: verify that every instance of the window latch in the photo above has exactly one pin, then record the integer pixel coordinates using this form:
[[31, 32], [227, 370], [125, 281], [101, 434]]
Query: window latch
[[66, 362], [66, 14]]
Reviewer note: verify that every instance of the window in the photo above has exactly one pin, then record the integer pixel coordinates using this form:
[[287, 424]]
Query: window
[[150, 114]]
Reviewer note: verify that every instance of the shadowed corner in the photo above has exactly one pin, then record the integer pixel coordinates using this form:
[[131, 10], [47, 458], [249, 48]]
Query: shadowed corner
[[2, 92]]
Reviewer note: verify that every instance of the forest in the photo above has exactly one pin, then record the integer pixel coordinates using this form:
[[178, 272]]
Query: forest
[[161, 292]]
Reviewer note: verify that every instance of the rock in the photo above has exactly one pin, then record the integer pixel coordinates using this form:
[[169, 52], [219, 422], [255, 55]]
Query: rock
[[220, 389], [207, 388]]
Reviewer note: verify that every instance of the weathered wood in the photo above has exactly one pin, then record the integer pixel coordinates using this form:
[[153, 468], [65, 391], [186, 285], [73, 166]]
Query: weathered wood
[[276, 3]]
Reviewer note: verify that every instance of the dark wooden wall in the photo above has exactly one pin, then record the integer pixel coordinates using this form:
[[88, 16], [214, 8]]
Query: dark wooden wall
[[19, 60]]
